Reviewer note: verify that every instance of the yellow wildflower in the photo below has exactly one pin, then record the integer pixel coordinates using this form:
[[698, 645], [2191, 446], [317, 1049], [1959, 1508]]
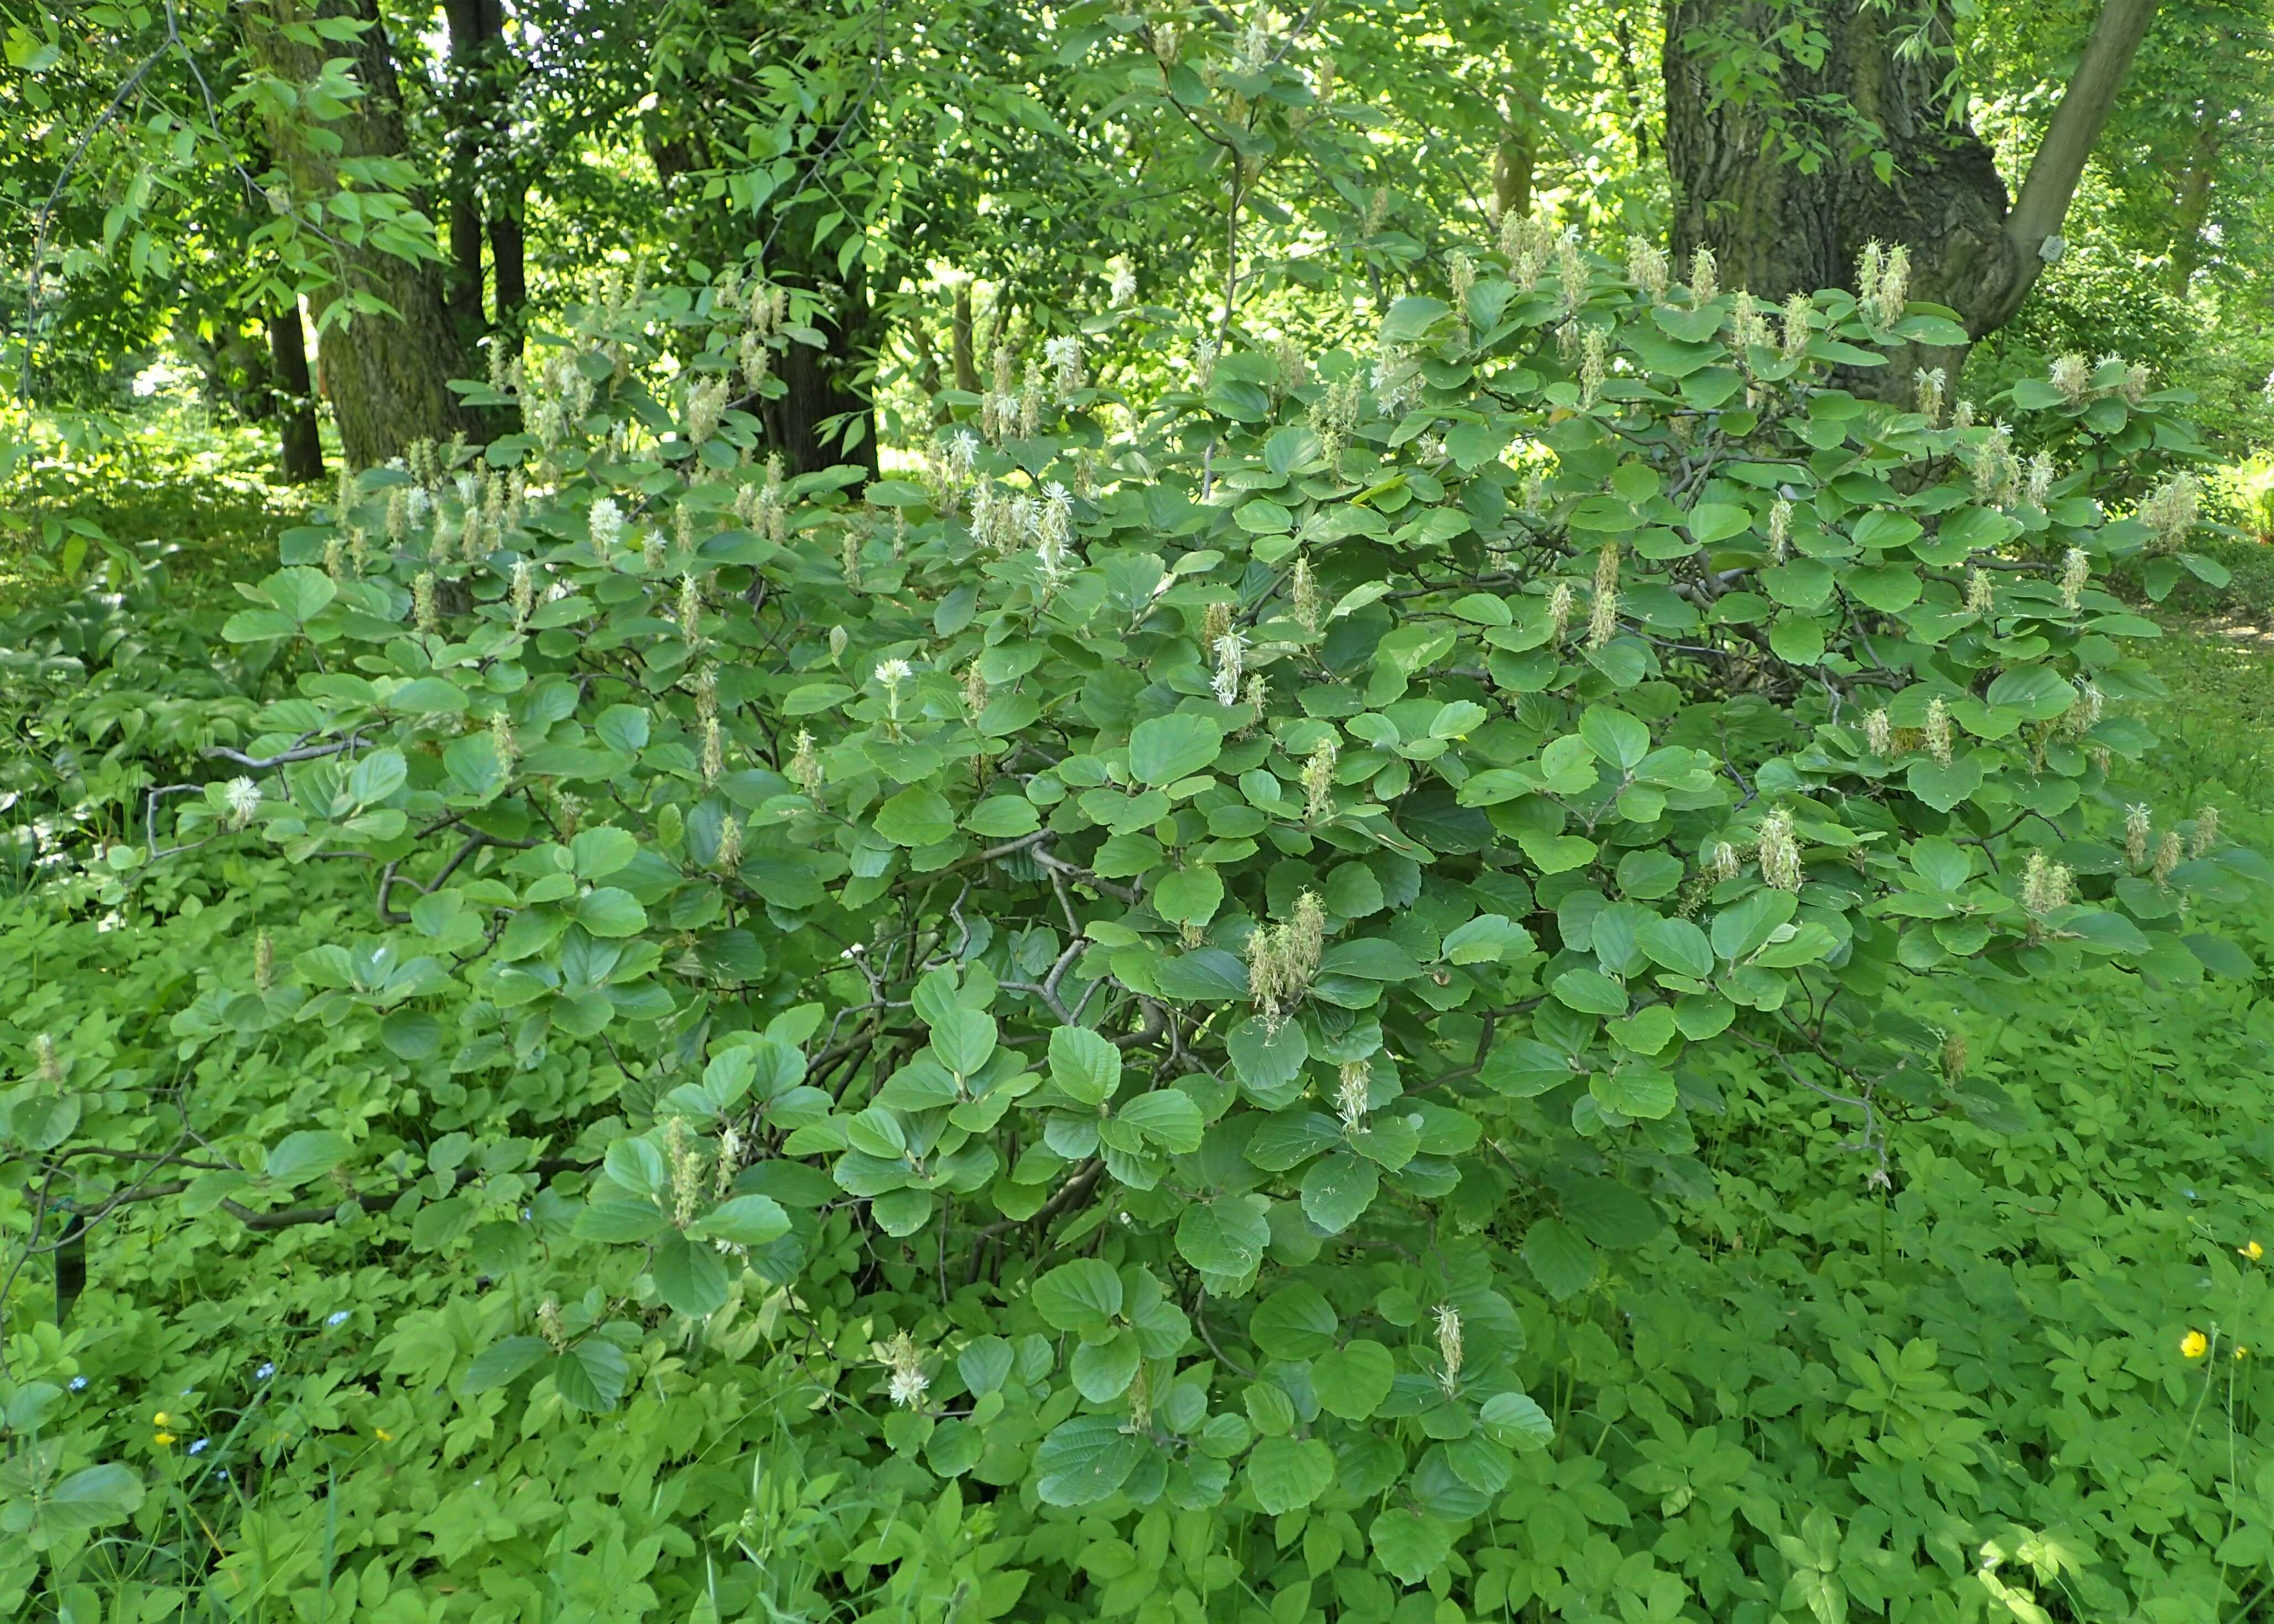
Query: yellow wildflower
[[162, 1439], [2194, 1344], [2252, 1250], [162, 1420], [382, 1434], [2241, 1352]]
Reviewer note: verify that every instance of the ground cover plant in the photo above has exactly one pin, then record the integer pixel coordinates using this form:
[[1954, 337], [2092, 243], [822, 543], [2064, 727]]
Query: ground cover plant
[[1548, 971]]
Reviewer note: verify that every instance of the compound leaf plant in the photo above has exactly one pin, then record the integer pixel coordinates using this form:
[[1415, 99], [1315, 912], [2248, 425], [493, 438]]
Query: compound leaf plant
[[1129, 957]]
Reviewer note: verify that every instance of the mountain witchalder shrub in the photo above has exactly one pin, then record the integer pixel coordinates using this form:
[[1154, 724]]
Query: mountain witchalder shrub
[[1138, 952]]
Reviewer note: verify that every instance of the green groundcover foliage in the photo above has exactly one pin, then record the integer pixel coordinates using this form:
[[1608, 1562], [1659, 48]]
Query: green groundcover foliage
[[1267, 1004]]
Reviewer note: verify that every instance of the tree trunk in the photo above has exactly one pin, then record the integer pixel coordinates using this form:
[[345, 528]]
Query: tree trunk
[[387, 376], [2192, 207], [1513, 160], [301, 451], [1776, 228], [825, 404], [508, 260], [463, 298], [965, 360], [484, 200], [823, 408]]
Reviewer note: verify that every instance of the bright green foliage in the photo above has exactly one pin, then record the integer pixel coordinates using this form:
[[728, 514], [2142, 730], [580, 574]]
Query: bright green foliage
[[1116, 1027]]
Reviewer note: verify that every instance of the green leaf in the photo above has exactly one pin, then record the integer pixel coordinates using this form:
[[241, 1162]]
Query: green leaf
[[592, 1376], [2221, 957], [618, 1221], [1188, 896], [1338, 1189], [1634, 1090], [1084, 1065], [1080, 1296], [1943, 787], [1225, 1237], [300, 592], [94, 1497], [742, 1220], [690, 1275], [608, 911], [1003, 817], [1589, 990], [596, 853], [1350, 1381], [1165, 749], [1287, 1473], [1268, 1059], [1797, 639], [500, 1362], [1611, 1214], [1514, 1420], [1294, 1322], [1101, 1371], [964, 1039], [258, 626], [1678, 945], [1618, 739], [1084, 1460], [1168, 1117], [1712, 521], [1411, 319], [1559, 1259], [305, 1155], [916, 817], [1371, 959], [1410, 1545]]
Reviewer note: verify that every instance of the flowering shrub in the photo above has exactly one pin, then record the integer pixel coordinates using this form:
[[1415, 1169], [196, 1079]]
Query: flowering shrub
[[1123, 971]]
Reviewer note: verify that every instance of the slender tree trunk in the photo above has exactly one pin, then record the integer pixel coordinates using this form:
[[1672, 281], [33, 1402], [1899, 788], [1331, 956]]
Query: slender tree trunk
[[388, 376], [301, 450], [1776, 228], [966, 360], [2192, 207], [485, 201], [508, 260], [1513, 162], [464, 297]]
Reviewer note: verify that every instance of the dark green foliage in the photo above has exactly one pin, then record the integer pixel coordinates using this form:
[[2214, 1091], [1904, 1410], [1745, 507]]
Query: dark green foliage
[[1294, 1021]]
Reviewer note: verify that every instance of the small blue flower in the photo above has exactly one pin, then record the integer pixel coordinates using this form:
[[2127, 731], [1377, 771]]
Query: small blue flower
[[79, 1384], [199, 1447], [340, 1317], [264, 1373]]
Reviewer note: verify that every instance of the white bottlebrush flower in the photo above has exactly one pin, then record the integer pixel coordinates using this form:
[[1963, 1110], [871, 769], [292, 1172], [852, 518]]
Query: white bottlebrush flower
[[1064, 353], [606, 523], [1123, 288], [244, 801]]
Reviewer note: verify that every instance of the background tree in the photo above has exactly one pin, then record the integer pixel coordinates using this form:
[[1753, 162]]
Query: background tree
[[1796, 135], [335, 122]]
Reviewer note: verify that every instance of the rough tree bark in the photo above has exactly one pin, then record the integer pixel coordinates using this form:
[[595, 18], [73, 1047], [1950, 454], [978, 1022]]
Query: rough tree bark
[[301, 442], [387, 377], [1776, 228], [484, 199], [2192, 206]]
